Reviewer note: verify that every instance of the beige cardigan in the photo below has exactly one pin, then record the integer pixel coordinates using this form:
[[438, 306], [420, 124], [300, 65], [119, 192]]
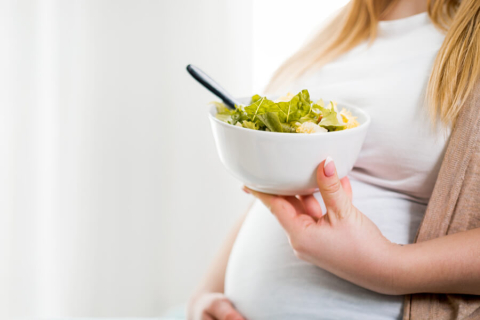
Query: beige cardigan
[[453, 207]]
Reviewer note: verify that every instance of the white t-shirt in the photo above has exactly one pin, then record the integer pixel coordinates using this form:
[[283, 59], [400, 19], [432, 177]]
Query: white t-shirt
[[392, 180]]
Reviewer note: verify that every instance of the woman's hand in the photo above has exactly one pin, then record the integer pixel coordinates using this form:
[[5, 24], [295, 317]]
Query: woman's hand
[[212, 306], [342, 241]]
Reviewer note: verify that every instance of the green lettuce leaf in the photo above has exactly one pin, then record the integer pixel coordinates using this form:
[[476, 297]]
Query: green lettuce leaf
[[259, 106], [271, 121], [329, 119], [299, 106], [223, 113], [305, 104], [288, 111], [250, 125], [223, 117], [288, 128], [255, 98], [238, 115]]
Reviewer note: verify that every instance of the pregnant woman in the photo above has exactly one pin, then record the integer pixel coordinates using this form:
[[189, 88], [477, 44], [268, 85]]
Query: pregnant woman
[[400, 236]]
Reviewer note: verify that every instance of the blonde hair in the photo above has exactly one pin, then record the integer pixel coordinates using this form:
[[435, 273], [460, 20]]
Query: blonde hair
[[456, 67]]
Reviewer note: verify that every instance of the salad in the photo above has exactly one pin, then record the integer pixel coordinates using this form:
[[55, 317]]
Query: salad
[[290, 113]]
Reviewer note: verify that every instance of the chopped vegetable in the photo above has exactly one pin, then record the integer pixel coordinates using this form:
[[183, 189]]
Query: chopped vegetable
[[290, 113], [310, 127]]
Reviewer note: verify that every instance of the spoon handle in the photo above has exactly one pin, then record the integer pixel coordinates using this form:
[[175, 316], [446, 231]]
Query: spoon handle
[[213, 86]]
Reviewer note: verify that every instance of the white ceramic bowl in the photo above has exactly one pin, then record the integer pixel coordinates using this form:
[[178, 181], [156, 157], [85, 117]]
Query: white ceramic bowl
[[286, 163]]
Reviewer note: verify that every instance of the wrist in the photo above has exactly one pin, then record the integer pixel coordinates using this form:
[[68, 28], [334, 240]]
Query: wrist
[[398, 281], [380, 270], [385, 271]]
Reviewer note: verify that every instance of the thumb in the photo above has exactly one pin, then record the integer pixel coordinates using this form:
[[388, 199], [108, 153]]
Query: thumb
[[337, 202]]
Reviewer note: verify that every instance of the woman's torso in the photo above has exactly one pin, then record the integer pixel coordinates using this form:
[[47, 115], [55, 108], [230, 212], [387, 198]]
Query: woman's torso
[[392, 180]]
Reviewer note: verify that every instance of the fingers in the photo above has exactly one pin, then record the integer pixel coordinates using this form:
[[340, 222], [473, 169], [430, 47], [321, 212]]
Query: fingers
[[296, 203], [336, 200], [266, 198], [288, 211], [347, 186], [312, 207], [221, 308], [207, 317]]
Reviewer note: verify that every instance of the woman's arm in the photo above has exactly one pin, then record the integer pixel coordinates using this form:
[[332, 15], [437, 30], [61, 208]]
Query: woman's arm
[[213, 281], [449, 264], [208, 301], [346, 243]]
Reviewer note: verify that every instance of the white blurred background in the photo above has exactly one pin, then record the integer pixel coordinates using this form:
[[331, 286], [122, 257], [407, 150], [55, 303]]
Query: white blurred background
[[112, 198]]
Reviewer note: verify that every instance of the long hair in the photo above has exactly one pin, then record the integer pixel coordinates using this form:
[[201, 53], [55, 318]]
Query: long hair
[[456, 67]]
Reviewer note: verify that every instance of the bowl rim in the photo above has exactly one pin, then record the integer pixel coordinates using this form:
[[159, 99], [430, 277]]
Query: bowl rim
[[213, 109]]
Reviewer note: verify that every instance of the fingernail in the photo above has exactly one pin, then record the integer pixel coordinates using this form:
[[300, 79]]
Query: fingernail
[[329, 167], [245, 190]]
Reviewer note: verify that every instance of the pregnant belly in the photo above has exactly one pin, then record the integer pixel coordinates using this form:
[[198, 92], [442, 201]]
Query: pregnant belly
[[265, 280]]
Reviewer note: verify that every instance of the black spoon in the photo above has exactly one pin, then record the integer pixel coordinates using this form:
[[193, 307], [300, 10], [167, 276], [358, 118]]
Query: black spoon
[[214, 87]]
